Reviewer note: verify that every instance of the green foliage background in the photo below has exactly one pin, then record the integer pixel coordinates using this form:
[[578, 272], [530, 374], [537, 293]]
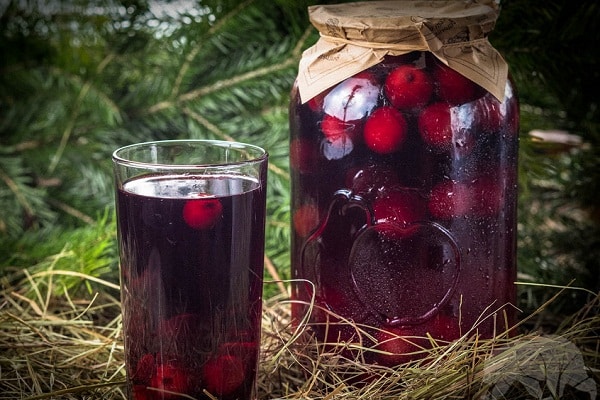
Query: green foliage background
[[77, 82]]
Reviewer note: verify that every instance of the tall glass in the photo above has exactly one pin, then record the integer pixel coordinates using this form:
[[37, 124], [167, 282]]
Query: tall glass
[[191, 228]]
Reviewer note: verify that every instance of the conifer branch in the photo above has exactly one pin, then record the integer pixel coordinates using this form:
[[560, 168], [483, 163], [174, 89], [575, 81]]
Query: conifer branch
[[74, 114], [72, 211], [67, 131], [223, 84], [207, 124], [14, 188], [194, 52]]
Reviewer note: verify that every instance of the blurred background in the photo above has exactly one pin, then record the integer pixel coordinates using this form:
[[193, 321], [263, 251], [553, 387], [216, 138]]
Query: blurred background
[[78, 81]]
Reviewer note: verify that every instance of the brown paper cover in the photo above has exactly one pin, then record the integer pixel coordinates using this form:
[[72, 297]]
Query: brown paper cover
[[356, 36]]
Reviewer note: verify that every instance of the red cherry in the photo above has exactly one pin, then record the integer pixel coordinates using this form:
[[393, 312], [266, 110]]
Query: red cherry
[[335, 129], [454, 87], [385, 130], [487, 196], [171, 380], [481, 197], [435, 125], [447, 128], [223, 375], [408, 87], [353, 98], [305, 219], [144, 369], [339, 137], [402, 207], [202, 213], [396, 346], [449, 199]]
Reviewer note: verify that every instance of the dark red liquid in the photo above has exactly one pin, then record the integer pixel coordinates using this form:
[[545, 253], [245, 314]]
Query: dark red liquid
[[191, 268], [411, 232]]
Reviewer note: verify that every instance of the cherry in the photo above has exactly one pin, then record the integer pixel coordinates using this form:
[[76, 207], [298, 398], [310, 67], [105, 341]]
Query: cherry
[[305, 219], [171, 380], [435, 125], [487, 196], [454, 87], [399, 206], [408, 87], [223, 374], [449, 199], [144, 369], [480, 198], [385, 130], [335, 129], [202, 213], [396, 346], [447, 128], [353, 98], [339, 136]]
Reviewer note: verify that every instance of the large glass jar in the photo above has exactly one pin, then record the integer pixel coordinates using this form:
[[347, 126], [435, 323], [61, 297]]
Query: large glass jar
[[404, 176]]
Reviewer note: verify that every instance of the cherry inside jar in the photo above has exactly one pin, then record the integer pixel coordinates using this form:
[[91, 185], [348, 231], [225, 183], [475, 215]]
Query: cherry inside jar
[[404, 191]]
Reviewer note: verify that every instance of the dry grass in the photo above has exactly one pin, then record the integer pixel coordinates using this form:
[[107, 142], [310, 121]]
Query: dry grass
[[67, 348]]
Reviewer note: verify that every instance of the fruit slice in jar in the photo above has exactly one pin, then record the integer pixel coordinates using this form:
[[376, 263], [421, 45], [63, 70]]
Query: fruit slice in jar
[[404, 274], [340, 136], [335, 129], [354, 98]]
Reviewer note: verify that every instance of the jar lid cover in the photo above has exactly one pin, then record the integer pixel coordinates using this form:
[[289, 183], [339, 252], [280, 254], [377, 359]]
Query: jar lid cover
[[356, 36]]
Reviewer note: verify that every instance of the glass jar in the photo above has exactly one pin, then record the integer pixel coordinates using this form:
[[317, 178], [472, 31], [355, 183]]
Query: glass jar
[[404, 177]]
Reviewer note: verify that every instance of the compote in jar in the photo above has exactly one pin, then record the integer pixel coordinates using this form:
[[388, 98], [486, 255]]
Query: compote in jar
[[404, 176]]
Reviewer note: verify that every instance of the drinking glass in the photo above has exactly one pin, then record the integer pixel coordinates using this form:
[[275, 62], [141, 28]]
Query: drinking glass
[[191, 229]]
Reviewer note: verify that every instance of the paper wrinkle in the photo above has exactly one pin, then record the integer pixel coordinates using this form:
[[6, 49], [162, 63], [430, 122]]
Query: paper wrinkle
[[357, 36]]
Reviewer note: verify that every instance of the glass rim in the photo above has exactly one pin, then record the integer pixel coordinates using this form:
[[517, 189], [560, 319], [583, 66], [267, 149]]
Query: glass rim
[[261, 155]]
